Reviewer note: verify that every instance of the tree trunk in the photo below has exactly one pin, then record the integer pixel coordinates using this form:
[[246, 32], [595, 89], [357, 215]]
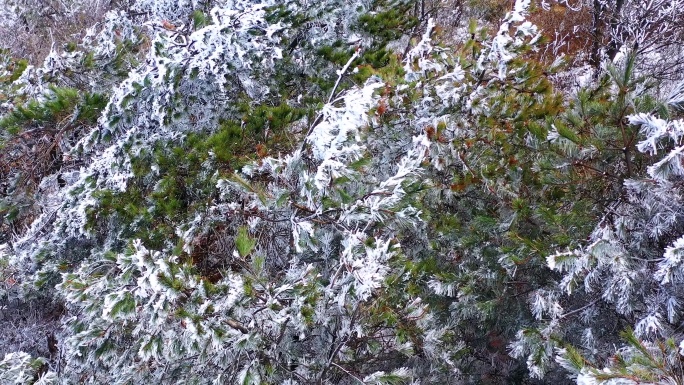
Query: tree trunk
[[597, 34]]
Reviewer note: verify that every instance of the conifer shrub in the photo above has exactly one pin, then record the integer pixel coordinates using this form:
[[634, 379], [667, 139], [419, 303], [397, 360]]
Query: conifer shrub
[[324, 192]]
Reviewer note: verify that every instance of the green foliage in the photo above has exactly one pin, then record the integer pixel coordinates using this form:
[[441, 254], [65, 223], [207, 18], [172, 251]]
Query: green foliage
[[262, 126], [200, 19], [391, 22], [13, 68], [60, 104], [149, 207], [639, 362], [244, 243], [338, 53]]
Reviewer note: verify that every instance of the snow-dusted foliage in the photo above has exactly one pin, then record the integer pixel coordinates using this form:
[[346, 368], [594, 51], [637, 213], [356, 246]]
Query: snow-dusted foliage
[[299, 192], [309, 284], [152, 306], [504, 44], [182, 86], [20, 369], [651, 28], [630, 266]]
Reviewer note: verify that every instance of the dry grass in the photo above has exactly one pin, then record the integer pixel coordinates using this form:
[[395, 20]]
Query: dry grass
[[24, 325], [567, 31], [44, 24]]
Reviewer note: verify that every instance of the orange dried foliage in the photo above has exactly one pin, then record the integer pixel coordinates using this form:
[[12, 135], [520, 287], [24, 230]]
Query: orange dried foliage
[[261, 150], [567, 30], [168, 26], [382, 107]]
